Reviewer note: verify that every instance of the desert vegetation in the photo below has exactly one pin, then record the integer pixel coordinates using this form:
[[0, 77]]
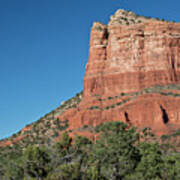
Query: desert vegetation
[[119, 153]]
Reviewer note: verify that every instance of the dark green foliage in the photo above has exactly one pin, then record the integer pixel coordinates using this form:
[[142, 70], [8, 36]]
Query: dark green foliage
[[115, 150], [36, 162], [85, 126], [120, 153], [99, 28], [64, 145], [94, 107], [14, 169], [66, 171], [171, 166], [151, 161]]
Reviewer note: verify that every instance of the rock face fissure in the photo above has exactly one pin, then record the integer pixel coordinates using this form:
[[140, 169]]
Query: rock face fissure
[[127, 117], [164, 115]]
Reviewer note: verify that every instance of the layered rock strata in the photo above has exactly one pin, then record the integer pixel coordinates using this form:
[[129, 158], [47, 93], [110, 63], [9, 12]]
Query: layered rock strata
[[128, 60]]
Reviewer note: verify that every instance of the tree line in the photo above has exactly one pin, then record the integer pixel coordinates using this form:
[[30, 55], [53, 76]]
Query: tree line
[[119, 153]]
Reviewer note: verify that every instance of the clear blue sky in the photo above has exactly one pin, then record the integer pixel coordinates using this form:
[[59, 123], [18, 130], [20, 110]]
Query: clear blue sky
[[44, 48]]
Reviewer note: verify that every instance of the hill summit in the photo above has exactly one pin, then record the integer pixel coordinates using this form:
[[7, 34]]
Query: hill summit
[[132, 75], [127, 18]]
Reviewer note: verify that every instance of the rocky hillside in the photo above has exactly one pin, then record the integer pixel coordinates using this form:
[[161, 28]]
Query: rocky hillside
[[132, 75], [46, 130]]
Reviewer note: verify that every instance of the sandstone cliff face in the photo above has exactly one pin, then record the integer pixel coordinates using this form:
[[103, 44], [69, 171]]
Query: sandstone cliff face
[[128, 60]]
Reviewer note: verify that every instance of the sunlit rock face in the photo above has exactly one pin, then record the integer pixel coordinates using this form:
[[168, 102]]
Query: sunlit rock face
[[132, 74], [132, 53]]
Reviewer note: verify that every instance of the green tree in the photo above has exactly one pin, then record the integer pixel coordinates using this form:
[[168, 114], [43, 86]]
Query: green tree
[[70, 171], [14, 170], [171, 166], [63, 147], [151, 162], [115, 153], [36, 162]]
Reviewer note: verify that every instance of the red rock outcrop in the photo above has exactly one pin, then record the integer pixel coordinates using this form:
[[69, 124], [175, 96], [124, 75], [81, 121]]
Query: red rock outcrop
[[130, 58], [128, 55], [132, 75]]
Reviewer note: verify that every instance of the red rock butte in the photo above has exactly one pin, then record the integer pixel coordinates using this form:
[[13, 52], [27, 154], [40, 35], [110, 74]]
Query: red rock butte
[[132, 74], [129, 58]]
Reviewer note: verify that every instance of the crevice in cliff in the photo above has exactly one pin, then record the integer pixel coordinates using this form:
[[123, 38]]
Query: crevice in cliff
[[106, 36], [127, 118], [106, 33], [164, 115], [173, 67]]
